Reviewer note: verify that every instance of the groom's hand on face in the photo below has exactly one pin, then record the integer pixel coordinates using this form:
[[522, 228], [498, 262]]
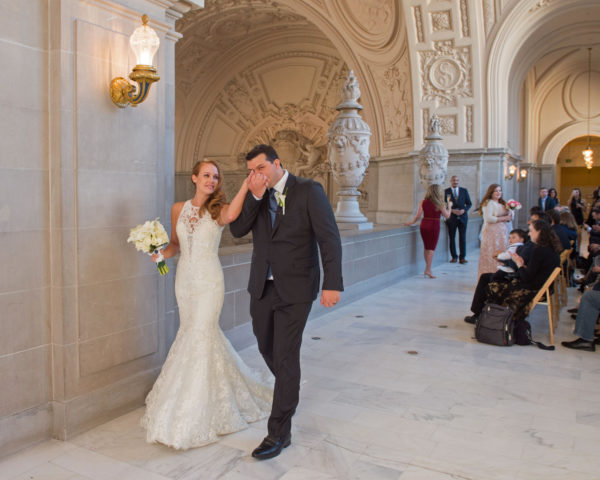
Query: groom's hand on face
[[329, 298], [257, 184]]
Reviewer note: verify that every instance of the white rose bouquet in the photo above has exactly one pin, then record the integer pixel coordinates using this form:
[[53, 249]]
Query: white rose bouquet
[[150, 238]]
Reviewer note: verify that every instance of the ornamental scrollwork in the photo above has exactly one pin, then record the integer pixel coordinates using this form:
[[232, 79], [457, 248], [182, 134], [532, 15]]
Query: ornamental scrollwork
[[446, 73]]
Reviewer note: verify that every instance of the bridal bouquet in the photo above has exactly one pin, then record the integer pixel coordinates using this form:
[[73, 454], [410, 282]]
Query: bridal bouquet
[[150, 238], [513, 205]]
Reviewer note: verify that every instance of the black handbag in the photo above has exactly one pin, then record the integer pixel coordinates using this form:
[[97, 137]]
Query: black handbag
[[495, 325]]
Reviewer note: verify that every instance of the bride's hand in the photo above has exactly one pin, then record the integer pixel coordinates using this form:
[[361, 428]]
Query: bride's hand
[[257, 184]]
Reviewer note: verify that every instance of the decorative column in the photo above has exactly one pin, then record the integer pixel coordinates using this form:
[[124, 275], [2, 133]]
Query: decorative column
[[348, 152], [433, 157]]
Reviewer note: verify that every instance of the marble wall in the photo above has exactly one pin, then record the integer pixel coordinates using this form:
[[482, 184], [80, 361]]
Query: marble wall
[[86, 320], [25, 343]]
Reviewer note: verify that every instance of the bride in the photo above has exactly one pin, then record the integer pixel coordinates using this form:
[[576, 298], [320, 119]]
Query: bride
[[204, 389]]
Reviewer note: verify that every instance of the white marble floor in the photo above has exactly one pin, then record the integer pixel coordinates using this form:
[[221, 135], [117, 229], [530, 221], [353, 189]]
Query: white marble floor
[[395, 387]]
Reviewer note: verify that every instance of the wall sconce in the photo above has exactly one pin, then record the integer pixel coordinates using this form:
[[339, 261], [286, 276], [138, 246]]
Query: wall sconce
[[144, 42], [522, 175], [510, 173]]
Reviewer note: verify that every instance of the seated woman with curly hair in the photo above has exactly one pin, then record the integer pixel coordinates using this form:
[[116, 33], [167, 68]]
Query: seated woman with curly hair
[[518, 293]]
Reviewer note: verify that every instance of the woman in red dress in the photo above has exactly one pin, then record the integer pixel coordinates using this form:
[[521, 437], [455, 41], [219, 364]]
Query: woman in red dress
[[431, 207]]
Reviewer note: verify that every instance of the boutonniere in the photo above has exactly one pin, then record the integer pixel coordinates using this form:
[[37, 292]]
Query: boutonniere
[[280, 197]]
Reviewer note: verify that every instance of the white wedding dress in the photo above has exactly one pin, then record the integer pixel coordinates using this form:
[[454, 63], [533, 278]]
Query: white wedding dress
[[204, 389]]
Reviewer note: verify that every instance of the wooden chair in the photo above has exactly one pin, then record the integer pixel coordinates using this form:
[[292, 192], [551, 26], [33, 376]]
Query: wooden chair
[[551, 301], [564, 275]]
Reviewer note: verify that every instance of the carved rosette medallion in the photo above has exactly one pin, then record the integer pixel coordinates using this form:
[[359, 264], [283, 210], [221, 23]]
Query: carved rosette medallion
[[433, 157], [448, 124], [441, 21], [446, 73], [348, 152]]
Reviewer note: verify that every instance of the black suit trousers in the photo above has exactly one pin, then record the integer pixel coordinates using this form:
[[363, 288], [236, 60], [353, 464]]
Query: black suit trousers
[[454, 224], [480, 295], [278, 327]]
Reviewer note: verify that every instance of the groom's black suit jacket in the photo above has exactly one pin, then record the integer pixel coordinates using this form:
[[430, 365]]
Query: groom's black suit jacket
[[290, 246]]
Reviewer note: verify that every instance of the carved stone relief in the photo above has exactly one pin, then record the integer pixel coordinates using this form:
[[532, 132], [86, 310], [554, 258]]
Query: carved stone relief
[[489, 15], [425, 120], [540, 4], [245, 103], [221, 26], [469, 123], [373, 22], [395, 90], [464, 19], [441, 21], [446, 73], [448, 124], [418, 14], [301, 156]]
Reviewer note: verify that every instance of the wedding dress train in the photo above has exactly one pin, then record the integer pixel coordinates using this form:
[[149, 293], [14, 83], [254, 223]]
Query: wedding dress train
[[204, 389]]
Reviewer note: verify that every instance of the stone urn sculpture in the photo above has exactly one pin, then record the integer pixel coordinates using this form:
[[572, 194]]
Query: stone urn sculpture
[[433, 157], [348, 152]]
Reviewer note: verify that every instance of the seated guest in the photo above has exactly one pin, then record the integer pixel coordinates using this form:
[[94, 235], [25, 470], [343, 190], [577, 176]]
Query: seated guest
[[516, 239], [568, 221], [560, 230], [536, 215], [593, 247], [592, 260], [535, 210], [593, 226], [587, 316], [518, 292], [524, 251]]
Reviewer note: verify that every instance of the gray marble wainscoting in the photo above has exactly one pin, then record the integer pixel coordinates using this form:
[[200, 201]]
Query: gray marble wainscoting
[[372, 260]]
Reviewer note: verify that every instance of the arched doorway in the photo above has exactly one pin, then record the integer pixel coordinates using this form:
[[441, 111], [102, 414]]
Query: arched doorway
[[255, 71], [571, 171]]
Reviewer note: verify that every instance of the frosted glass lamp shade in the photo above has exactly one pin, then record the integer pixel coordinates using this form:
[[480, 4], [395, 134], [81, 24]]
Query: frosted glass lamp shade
[[144, 42]]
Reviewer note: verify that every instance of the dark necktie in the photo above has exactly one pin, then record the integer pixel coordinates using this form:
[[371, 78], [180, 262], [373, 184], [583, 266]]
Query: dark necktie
[[273, 214], [272, 205]]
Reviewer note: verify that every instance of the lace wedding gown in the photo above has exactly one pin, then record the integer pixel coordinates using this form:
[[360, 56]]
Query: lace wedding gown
[[204, 389]]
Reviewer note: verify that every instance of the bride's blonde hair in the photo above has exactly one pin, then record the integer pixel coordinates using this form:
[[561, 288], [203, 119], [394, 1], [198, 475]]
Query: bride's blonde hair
[[216, 200]]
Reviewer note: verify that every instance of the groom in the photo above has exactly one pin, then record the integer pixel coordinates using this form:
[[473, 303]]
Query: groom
[[288, 221]]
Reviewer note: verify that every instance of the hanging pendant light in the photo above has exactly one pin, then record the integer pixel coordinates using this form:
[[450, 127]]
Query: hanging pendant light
[[588, 153]]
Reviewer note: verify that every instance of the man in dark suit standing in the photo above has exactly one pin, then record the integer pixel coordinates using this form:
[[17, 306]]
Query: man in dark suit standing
[[289, 218], [459, 217]]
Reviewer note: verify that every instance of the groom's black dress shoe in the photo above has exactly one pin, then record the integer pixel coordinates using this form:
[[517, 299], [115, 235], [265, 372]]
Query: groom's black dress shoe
[[580, 344], [471, 319], [270, 447]]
